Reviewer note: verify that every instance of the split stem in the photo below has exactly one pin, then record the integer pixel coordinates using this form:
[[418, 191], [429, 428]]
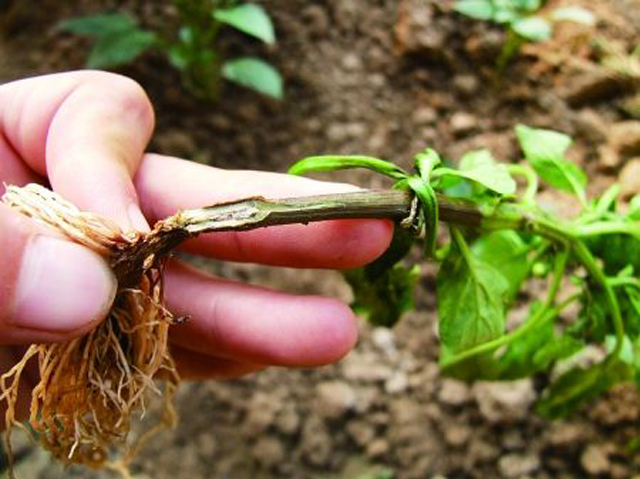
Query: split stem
[[259, 212]]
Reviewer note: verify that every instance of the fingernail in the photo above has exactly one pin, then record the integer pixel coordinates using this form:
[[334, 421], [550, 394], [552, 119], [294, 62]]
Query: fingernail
[[61, 286], [137, 219]]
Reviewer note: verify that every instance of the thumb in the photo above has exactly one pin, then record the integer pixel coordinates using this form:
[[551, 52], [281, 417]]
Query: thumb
[[50, 289]]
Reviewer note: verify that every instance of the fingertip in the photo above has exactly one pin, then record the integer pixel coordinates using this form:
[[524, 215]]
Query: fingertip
[[302, 331], [362, 241], [337, 332]]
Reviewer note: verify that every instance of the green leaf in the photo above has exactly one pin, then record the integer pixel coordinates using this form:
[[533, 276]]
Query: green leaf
[[629, 299], [249, 18], [254, 74], [518, 359], [183, 53], [606, 203], [594, 322], [478, 9], [471, 297], [507, 253], [479, 166], [573, 14], [506, 16], [578, 385], [616, 250], [119, 48], [538, 349], [480, 366], [529, 5], [383, 299], [118, 39], [99, 25], [557, 349], [544, 149], [336, 162], [535, 29], [179, 56]]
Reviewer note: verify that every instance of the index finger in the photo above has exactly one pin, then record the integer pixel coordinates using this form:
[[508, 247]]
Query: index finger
[[86, 131]]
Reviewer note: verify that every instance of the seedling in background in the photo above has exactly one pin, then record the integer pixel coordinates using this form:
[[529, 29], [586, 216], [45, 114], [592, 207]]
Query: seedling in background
[[523, 20], [194, 49], [591, 262]]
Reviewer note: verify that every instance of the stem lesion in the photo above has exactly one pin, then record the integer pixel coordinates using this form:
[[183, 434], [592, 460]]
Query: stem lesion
[[258, 212]]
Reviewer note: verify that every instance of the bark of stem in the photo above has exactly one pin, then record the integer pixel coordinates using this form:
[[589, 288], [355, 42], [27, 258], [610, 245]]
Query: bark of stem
[[258, 212]]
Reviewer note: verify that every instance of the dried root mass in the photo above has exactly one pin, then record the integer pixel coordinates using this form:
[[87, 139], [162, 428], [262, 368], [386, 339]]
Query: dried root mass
[[90, 388]]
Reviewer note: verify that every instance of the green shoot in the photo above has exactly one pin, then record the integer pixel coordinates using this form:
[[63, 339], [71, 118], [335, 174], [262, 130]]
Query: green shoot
[[117, 38], [523, 20], [193, 50], [590, 262]]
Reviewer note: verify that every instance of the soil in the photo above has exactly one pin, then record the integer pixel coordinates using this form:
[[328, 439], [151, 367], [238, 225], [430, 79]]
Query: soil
[[383, 78]]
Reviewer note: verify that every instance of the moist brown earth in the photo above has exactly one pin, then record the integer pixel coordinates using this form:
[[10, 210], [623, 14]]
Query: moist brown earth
[[383, 78]]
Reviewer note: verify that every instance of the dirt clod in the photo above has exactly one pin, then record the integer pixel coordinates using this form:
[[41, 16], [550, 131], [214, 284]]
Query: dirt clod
[[504, 402], [625, 137], [518, 465], [454, 393], [335, 398], [268, 451], [630, 177], [595, 460]]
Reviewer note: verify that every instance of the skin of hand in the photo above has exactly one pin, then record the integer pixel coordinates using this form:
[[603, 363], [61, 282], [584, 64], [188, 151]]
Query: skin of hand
[[84, 135]]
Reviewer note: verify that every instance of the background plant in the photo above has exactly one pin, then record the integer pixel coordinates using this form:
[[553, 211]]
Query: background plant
[[523, 20], [194, 49], [499, 241]]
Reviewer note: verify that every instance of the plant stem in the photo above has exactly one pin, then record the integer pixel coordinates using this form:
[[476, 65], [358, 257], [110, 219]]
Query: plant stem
[[529, 196], [462, 245], [540, 316], [603, 228], [258, 212], [589, 262], [629, 282]]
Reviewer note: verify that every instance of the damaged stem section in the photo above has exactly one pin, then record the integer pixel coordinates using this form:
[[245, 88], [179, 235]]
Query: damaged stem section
[[258, 212]]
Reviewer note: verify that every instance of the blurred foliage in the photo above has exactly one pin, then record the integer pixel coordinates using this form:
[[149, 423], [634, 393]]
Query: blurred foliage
[[194, 49], [523, 20]]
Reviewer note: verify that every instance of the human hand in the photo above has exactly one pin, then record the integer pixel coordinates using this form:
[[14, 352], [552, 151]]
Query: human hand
[[84, 135]]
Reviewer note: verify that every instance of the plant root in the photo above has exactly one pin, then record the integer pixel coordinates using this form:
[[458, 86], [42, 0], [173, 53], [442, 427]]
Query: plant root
[[90, 388]]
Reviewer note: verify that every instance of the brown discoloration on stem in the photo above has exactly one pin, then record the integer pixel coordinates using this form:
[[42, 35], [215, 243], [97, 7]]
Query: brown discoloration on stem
[[257, 212]]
